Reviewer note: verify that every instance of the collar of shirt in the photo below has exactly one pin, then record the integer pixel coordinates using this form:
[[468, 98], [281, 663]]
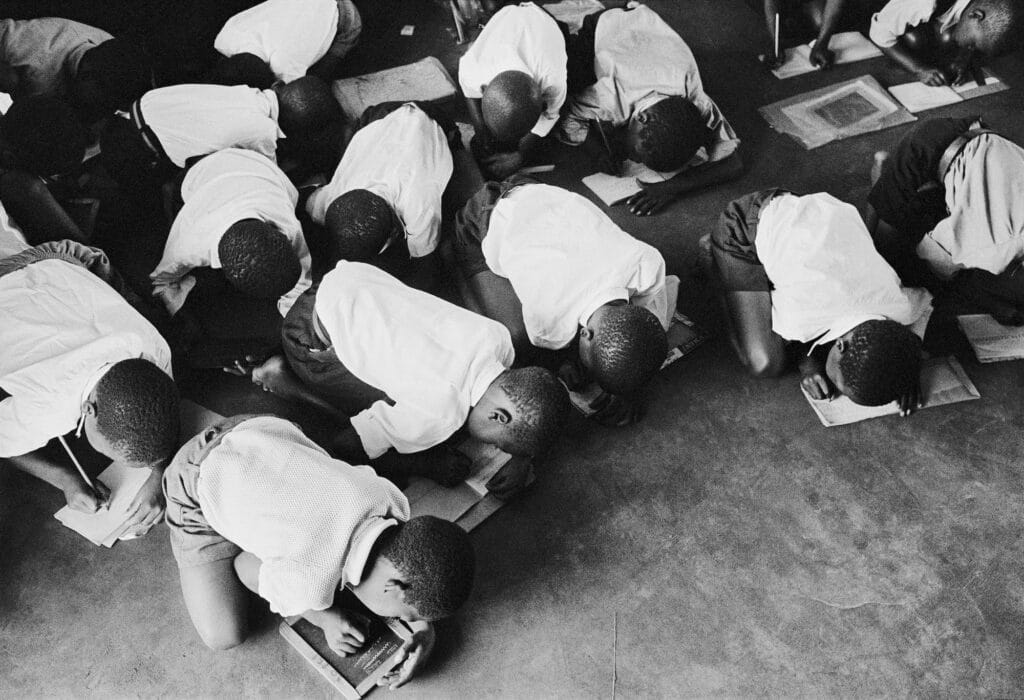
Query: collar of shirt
[[600, 299], [355, 563], [649, 100]]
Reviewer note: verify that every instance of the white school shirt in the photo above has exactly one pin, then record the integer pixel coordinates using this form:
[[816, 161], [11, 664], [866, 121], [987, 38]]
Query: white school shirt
[[193, 120], [403, 158], [290, 36], [522, 38], [826, 275], [433, 359], [12, 240], [62, 328], [899, 16], [985, 226], [565, 258], [639, 60], [221, 189], [310, 519], [45, 52]]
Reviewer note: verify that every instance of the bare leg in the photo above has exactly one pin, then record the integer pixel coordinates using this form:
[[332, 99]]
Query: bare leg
[[749, 320], [275, 376], [217, 602]]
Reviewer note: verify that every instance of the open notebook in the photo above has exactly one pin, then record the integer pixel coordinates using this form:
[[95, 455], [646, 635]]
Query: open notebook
[[613, 189], [991, 340], [848, 47], [943, 381], [918, 97]]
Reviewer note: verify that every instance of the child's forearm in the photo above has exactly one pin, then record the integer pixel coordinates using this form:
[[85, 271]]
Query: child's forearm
[[529, 147], [31, 204], [903, 57], [476, 114], [45, 469], [829, 20], [706, 175]]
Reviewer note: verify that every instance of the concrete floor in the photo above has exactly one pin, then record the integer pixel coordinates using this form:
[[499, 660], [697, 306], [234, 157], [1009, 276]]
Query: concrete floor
[[727, 545]]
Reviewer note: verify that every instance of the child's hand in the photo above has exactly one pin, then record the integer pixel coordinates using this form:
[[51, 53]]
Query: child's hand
[[84, 499], [652, 197], [414, 653], [616, 410], [911, 399], [821, 57], [932, 77], [817, 386], [445, 465], [771, 60], [511, 479], [147, 508], [342, 629]]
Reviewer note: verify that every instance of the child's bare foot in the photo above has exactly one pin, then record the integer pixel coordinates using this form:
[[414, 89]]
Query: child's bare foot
[[275, 376], [876, 167]]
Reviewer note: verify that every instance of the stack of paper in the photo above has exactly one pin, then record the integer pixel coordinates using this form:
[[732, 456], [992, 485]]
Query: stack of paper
[[106, 526], [991, 340], [425, 80], [918, 97], [848, 47], [943, 381]]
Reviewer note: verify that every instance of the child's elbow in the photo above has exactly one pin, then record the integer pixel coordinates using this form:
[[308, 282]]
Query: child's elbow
[[222, 638]]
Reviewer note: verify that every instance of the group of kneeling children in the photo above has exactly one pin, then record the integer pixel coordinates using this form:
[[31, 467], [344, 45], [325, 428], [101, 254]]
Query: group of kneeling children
[[553, 293]]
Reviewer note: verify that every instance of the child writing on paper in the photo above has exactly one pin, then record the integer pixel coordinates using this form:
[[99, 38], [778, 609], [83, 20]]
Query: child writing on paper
[[515, 79], [646, 95], [802, 269], [945, 212], [939, 41], [383, 204], [291, 42], [560, 275], [252, 503], [414, 369], [823, 15], [73, 352]]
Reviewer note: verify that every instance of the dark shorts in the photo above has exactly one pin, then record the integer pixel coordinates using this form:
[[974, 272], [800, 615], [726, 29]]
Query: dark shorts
[[580, 51], [732, 244], [193, 541], [896, 198], [317, 365], [472, 221]]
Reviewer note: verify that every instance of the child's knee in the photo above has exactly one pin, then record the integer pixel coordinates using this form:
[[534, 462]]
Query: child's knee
[[222, 637], [765, 363]]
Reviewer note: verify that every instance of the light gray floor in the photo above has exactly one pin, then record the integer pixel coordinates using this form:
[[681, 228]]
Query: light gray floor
[[727, 545]]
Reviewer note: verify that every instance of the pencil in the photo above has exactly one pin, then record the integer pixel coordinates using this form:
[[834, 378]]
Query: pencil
[[78, 464], [604, 138], [777, 35]]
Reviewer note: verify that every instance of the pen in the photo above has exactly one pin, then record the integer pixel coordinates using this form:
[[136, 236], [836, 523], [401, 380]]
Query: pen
[[78, 465]]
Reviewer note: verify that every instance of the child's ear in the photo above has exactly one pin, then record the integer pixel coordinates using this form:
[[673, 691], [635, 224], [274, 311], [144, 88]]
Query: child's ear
[[89, 408], [977, 13], [396, 586], [840, 345], [500, 415], [586, 333]]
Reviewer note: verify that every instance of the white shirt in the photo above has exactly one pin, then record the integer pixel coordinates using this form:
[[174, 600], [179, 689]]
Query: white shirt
[[827, 275], [12, 240], [639, 60], [565, 258], [985, 226], [193, 120], [310, 519], [289, 36], [899, 16], [403, 158], [218, 191], [433, 359], [522, 38], [62, 328]]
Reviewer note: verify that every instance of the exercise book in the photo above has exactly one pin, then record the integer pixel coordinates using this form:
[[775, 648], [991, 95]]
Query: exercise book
[[357, 674], [848, 47], [615, 189], [991, 340], [425, 80], [918, 97], [850, 108], [943, 381]]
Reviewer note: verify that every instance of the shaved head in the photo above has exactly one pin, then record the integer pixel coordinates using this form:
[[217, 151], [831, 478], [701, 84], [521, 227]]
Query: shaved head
[[511, 105]]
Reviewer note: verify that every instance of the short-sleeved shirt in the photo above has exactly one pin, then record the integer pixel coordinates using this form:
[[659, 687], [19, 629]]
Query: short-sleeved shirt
[[193, 120], [289, 40], [639, 60], [900, 16], [433, 359], [826, 275], [45, 52], [62, 328], [985, 226], [522, 38], [403, 158], [311, 520], [565, 258], [224, 188]]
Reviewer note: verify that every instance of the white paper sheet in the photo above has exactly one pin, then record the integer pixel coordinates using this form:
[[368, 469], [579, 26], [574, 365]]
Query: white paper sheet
[[943, 381], [425, 79], [573, 12], [103, 526], [612, 189], [991, 340], [849, 47], [918, 97]]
